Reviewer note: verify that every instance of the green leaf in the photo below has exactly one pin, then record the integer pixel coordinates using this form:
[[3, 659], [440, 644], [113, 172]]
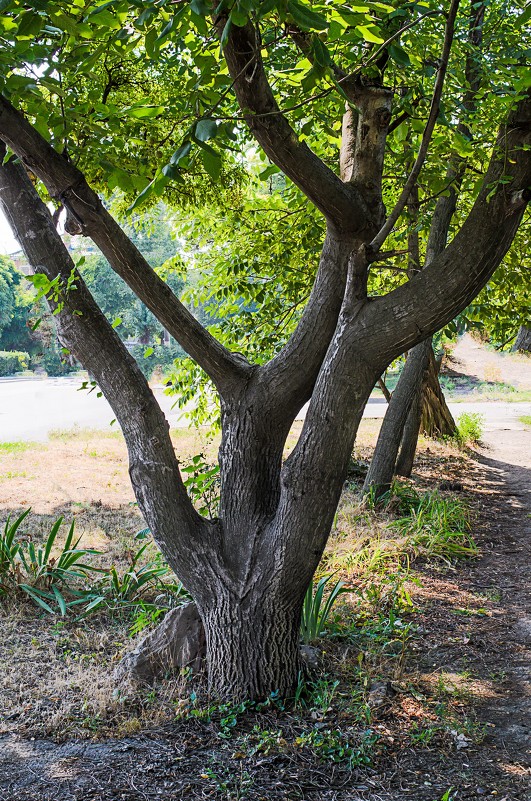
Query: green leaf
[[148, 352], [305, 18], [321, 53], [399, 55], [369, 34], [201, 8], [212, 163], [225, 33], [268, 172], [205, 129], [143, 112], [524, 17], [181, 153]]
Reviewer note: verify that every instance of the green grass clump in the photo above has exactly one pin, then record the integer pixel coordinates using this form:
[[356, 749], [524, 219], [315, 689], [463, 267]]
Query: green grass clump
[[438, 528], [18, 447], [470, 427], [525, 419]]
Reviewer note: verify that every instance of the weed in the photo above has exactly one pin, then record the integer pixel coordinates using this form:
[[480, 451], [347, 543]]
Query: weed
[[18, 447], [317, 608], [470, 427], [118, 590], [525, 419], [333, 745], [439, 527]]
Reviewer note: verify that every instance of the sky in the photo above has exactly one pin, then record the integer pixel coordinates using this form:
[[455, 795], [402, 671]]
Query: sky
[[8, 244]]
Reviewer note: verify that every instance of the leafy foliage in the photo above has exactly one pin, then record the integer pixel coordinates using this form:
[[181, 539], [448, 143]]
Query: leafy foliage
[[470, 427], [47, 575]]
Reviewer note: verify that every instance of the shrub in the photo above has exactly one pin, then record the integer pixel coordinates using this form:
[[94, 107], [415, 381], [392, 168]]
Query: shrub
[[13, 361], [470, 427]]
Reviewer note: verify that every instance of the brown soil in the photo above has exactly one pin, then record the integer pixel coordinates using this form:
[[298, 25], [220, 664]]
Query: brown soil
[[455, 717]]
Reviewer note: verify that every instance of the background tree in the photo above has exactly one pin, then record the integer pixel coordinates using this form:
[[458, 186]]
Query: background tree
[[248, 569]]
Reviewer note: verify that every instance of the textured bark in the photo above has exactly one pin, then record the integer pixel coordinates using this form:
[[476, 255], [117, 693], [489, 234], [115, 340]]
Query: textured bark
[[436, 419], [410, 435], [253, 646], [429, 413], [523, 339], [382, 468]]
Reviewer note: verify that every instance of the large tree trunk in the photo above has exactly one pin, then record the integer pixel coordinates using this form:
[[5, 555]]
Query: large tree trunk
[[523, 339], [253, 644]]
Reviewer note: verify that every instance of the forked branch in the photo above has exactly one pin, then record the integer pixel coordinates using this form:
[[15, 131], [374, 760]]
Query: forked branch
[[342, 204]]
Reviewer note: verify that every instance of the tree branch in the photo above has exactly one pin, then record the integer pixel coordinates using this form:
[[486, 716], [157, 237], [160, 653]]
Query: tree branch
[[382, 235], [83, 328], [67, 184], [342, 204], [453, 277]]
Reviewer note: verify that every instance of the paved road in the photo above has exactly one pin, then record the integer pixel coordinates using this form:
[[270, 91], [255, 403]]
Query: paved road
[[32, 407]]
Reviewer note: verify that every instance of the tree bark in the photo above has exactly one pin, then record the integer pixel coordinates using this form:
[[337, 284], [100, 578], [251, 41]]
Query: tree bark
[[436, 419], [382, 468], [523, 339], [253, 644], [429, 413]]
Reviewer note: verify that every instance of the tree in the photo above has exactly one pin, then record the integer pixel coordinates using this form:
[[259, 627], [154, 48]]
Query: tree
[[248, 569]]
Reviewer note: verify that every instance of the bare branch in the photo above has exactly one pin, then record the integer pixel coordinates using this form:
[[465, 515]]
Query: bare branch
[[67, 184]]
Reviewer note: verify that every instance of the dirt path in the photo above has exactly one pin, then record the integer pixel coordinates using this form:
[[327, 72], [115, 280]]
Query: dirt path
[[474, 359]]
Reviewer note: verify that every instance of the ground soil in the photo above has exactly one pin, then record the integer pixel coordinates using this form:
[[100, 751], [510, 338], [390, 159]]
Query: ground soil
[[468, 664]]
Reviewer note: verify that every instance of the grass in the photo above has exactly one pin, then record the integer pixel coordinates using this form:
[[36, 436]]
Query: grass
[[525, 419], [11, 448], [69, 690]]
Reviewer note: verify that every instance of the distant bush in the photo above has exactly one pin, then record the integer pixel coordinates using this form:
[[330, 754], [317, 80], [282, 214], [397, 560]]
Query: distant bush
[[13, 361], [470, 427], [54, 363]]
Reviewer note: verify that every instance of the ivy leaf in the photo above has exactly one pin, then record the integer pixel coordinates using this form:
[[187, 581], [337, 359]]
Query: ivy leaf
[[305, 18]]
